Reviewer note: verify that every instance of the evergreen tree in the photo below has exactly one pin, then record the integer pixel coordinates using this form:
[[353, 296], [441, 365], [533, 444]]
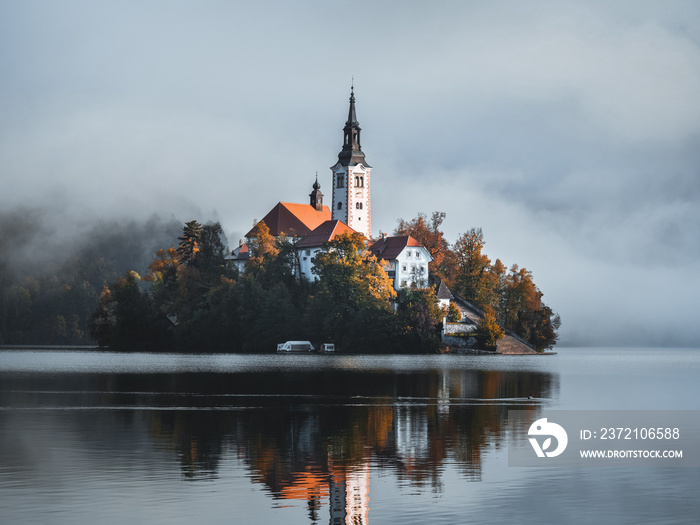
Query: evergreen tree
[[210, 259], [189, 242]]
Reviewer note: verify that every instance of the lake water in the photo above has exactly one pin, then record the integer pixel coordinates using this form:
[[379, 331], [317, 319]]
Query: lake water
[[92, 437]]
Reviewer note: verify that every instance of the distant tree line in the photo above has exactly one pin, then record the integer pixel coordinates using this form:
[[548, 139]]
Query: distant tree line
[[48, 290]]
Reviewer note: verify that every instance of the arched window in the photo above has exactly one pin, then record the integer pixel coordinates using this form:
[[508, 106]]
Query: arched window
[[358, 205], [340, 205], [359, 181]]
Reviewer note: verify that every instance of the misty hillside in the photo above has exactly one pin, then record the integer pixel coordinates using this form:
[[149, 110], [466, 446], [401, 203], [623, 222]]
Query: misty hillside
[[52, 273]]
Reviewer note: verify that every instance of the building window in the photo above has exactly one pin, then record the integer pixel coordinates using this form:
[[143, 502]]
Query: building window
[[341, 181], [358, 205], [409, 254], [308, 252], [417, 254], [340, 205], [404, 268], [359, 181]]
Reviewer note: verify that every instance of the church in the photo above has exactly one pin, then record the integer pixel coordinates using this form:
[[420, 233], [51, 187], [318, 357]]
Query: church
[[313, 224]]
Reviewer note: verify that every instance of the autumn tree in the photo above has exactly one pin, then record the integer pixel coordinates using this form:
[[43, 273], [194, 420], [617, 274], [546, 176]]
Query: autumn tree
[[497, 281], [474, 281], [525, 313], [162, 274], [488, 331], [510, 297], [263, 250], [352, 282], [453, 313]]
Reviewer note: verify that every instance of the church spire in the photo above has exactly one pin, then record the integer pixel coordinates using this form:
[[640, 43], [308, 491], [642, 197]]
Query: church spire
[[351, 154], [316, 197], [352, 117]]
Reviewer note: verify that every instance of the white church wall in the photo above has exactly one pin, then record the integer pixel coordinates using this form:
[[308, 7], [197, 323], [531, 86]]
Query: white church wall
[[306, 264]]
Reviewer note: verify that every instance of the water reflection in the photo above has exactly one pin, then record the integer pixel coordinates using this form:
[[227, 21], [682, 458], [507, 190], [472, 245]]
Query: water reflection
[[310, 437]]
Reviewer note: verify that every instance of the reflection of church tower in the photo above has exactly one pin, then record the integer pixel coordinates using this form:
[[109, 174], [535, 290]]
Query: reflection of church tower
[[351, 179], [349, 496]]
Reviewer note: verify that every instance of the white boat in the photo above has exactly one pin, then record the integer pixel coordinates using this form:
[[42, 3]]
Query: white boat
[[296, 346], [327, 347]]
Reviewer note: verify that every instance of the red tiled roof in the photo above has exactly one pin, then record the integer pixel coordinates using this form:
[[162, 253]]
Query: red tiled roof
[[243, 253], [293, 219], [389, 248], [327, 231]]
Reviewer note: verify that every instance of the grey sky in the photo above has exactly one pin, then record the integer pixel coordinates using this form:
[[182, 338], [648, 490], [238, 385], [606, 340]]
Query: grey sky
[[569, 131]]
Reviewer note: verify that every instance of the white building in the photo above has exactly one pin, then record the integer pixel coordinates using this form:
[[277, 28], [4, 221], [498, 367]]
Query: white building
[[408, 260], [444, 296], [239, 256]]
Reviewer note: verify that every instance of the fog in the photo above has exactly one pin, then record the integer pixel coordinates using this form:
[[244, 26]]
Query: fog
[[38, 242], [569, 131]]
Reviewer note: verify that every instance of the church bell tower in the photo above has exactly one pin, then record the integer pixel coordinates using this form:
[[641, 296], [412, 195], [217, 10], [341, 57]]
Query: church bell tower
[[351, 178], [316, 197]]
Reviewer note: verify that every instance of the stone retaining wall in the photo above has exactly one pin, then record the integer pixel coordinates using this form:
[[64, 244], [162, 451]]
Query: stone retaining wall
[[457, 328]]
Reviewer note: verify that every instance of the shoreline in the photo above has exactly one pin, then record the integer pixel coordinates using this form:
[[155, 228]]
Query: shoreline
[[474, 352]]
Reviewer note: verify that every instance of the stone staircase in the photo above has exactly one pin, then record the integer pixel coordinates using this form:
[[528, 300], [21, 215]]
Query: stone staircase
[[510, 345]]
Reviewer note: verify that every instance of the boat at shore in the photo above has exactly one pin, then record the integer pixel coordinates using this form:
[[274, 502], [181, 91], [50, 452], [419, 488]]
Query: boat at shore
[[295, 346], [304, 346]]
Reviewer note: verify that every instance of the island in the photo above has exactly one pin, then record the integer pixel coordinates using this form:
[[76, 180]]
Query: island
[[305, 272]]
